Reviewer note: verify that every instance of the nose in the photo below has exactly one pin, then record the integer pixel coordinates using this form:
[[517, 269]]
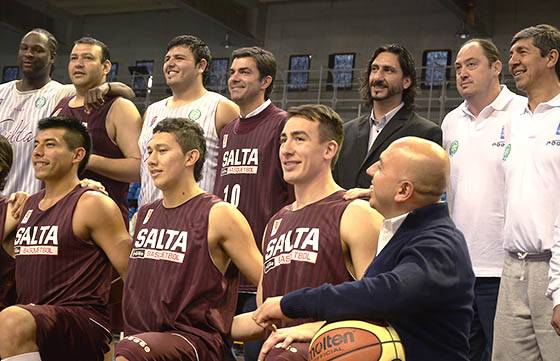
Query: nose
[[372, 169], [234, 76], [152, 158], [286, 148], [513, 60], [37, 150]]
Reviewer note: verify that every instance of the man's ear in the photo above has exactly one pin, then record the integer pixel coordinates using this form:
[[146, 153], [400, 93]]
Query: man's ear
[[404, 191]]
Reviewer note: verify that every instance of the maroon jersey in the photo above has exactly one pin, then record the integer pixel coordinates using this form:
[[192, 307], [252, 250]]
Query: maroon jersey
[[249, 174], [7, 263], [172, 282], [302, 248], [53, 265], [101, 144]]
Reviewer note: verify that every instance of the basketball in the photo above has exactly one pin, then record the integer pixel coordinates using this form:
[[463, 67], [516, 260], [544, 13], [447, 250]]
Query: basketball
[[356, 341]]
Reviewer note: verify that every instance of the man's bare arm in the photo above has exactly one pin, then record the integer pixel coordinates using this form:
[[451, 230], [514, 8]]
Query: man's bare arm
[[124, 118], [226, 112]]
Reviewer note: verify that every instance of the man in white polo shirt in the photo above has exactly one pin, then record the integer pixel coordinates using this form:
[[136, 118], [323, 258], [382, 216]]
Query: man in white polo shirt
[[473, 135], [522, 329]]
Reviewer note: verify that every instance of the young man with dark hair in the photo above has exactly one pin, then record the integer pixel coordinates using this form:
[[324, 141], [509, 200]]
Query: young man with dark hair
[[114, 126], [26, 101], [65, 244], [474, 137], [181, 290], [422, 274], [522, 328], [185, 65], [318, 238], [389, 87], [249, 174]]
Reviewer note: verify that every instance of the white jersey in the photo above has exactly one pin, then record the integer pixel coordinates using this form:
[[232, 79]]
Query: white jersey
[[476, 189], [20, 111], [203, 111]]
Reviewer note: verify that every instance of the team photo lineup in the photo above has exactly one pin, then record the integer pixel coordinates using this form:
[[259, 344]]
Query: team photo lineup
[[264, 233]]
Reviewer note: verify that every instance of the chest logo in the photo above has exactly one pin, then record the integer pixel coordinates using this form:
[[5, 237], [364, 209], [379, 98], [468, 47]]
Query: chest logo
[[148, 216], [275, 226], [40, 102], [224, 141], [27, 216], [558, 129], [195, 114], [507, 151], [453, 148]]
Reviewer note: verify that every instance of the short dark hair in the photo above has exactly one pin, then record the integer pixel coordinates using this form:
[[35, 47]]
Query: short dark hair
[[545, 37], [6, 160], [75, 135], [266, 63], [330, 123], [198, 48], [189, 135], [52, 43], [489, 49], [406, 62], [105, 55]]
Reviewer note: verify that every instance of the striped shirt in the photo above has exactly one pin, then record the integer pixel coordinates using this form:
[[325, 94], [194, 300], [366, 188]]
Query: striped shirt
[[203, 111], [20, 111]]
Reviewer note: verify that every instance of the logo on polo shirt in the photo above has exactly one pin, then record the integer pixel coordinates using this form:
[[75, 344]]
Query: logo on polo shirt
[[501, 141], [554, 142], [558, 129], [195, 114], [507, 151], [453, 148]]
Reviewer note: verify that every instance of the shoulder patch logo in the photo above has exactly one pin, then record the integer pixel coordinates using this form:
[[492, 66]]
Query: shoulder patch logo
[[148, 216], [224, 141], [26, 217], [195, 114], [275, 226], [453, 148], [40, 102]]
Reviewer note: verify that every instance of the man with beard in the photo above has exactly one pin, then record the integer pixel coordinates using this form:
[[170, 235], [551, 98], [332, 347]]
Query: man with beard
[[389, 87]]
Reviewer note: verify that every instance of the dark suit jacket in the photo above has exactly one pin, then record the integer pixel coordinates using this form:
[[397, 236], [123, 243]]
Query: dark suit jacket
[[354, 158]]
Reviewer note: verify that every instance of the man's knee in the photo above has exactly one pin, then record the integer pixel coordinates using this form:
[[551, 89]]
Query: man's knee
[[17, 328]]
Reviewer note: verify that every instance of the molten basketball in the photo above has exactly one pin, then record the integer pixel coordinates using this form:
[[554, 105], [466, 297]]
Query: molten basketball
[[356, 341]]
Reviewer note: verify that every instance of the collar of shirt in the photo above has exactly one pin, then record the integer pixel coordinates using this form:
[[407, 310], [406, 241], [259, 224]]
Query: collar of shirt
[[259, 109], [380, 124], [552, 103], [389, 227], [500, 103]]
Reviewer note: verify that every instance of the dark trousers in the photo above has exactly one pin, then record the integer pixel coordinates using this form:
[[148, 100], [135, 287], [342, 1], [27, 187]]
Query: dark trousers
[[482, 328]]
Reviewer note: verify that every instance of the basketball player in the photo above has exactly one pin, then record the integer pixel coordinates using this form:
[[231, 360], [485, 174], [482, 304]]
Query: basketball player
[[421, 280], [24, 102], [249, 174], [64, 246], [185, 67], [7, 222], [114, 126], [181, 292], [319, 238]]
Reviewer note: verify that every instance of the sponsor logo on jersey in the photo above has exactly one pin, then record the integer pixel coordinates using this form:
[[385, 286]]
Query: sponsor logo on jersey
[[240, 161], [27, 216], [36, 241], [140, 342], [160, 244], [507, 151], [501, 141], [195, 114], [275, 226], [19, 131], [40, 102], [453, 148], [224, 141], [147, 216], [298, 245], [555, 142]]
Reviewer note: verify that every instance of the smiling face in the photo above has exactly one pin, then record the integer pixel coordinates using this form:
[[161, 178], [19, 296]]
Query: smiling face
[[180, 68], [475, 75], [303, 155], [34, 57], [526, 64], [86, 67], [245, 84], [52, 158], [386, 79]]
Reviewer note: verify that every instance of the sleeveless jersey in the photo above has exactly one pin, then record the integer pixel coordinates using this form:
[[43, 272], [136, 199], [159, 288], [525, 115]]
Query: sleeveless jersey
[[249, 174], [20, 111], [53, 265], [302, 248], [7, 265], [172, 282], [101, 144], [203, 111]]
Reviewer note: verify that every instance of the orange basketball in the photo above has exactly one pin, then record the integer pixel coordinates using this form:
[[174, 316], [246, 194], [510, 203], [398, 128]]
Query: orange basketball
[[356, 341]]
